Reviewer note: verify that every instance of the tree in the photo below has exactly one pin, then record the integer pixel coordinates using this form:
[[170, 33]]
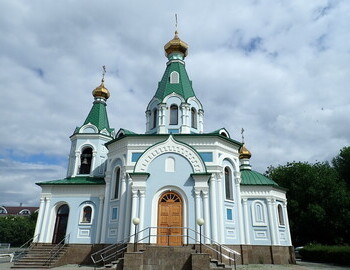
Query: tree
[[16, 230], [318, 202], [342, 165]]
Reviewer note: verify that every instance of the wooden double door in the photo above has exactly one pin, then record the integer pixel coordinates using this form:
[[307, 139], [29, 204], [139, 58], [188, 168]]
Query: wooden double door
[[170, 219]]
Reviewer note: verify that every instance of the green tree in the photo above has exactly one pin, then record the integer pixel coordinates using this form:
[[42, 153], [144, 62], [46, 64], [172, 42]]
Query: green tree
[[16, 230], [318, 202], [342, 164]]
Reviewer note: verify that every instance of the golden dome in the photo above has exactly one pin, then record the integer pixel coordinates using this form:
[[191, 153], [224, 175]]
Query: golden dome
[[176, 45], [244, 152], [101, 91]]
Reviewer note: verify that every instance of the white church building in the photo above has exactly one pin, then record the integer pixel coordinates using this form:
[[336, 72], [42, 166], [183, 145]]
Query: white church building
[[170, 176]]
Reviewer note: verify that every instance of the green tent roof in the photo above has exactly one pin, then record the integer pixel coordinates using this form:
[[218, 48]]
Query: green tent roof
[[98, 117], [254, 178], [183, 88], [78, 180]]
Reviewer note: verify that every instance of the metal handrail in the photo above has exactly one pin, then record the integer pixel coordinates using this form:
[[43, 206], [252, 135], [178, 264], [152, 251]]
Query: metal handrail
[[59, 247], [17, 256], [105, 254]]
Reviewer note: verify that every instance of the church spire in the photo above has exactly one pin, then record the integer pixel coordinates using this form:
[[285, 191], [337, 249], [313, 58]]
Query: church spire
[[244, 155]]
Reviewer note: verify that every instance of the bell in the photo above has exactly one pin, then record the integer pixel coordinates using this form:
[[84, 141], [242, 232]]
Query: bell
[[85, 161]]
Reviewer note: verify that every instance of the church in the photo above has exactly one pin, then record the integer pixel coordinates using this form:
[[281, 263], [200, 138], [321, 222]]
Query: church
[[165, 180]]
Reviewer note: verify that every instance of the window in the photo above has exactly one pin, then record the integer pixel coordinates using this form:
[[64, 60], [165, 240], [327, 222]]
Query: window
[[85, 161], [114, 213], [228, 184], [170, 164], [174, 77], [117, 182], [174, 112], [155, 116], [229, 214], [258, 213], [87, 213], [193, 118], [280, 215]]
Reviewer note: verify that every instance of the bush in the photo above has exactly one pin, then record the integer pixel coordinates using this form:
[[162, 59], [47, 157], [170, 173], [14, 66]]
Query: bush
[[330, 254]]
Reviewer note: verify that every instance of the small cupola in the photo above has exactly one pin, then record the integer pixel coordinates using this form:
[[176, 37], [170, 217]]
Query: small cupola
[[244, 158], [176, 47]]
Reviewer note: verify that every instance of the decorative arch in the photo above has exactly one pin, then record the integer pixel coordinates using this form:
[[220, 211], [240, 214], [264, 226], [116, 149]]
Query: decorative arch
[[174, 77], [3, 210], [88, 128], [259, 215], [170, 146]]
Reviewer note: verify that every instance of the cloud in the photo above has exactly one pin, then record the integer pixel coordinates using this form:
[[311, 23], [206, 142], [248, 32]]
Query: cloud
[[269, 67]]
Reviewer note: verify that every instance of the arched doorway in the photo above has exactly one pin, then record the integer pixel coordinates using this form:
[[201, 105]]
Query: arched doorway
[[170, 217], [60, 224]]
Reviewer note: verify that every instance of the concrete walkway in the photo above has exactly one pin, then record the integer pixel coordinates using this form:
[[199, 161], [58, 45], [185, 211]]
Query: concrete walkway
[[300, 266]]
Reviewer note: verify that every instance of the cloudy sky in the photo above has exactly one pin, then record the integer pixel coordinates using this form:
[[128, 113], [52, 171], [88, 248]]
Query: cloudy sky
[[280, 69]]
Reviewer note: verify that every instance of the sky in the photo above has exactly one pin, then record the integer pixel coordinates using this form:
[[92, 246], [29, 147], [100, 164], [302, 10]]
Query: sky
[[279, 69]]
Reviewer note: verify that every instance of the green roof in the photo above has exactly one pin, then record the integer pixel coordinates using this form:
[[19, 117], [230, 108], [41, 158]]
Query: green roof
[[98, 117], [78, 180], [183, 88], [253, 178]]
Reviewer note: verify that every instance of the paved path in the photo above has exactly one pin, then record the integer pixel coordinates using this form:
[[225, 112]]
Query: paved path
[[300, 266]]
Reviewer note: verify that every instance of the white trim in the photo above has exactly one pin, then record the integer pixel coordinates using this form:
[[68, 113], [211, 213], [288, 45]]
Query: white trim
[[254, 208]]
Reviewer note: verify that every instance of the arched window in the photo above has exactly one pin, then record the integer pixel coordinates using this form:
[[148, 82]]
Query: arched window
[[87, 213], [174, 113], [85, 161], [193, 118], [174, 77], [228, 184], [155, 117], [280, 215], [258, 213], [117, 183]]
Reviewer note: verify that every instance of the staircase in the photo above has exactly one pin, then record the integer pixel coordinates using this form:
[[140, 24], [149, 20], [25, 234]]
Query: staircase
[[41, 256]]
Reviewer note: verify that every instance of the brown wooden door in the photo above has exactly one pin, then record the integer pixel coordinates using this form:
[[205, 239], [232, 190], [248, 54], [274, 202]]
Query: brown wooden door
[[60, 224], [170, 216]]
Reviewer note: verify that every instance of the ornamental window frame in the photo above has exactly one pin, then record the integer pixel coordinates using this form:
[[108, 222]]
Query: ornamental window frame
[[280, 216], [258, 212], [86, 219]]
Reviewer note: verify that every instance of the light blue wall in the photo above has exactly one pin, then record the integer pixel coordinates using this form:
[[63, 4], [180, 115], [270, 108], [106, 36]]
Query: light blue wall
[[181, 178], [79, 233]]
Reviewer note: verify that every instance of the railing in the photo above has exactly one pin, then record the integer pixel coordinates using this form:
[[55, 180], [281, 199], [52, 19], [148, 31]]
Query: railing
[[150, 235], [56, 249], [24, 248]]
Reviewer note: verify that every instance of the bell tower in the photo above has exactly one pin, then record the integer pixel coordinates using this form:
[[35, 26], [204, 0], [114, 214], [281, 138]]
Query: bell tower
[[88, 153], [174, 107]]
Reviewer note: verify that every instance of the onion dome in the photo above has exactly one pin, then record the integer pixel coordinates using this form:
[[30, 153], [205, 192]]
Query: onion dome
[[101, 91], [244, 153], [176, 45]]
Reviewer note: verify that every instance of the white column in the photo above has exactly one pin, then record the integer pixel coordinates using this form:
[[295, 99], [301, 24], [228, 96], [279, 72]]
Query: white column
[[272, 221], [44, 236], [206, 216], [76, 163], [135, 204], [92, 168], [239, 205], [200, 120], [220, 200], [148, 116], [122, 208], [128, 198], [213, 210], [99, 221], [39, 220], [286, 222], [198, 210], [246, 221], [142, 212], [105, 208]]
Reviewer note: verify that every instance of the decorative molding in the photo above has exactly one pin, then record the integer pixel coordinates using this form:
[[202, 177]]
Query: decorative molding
[[170, 146]]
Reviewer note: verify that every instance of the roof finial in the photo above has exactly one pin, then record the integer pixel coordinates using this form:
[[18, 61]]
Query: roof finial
[[175, 23], [242, 132], [103, 73]]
